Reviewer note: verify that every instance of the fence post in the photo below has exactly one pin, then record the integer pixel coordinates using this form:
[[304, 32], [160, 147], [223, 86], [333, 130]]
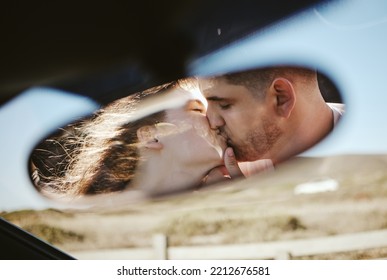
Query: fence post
[[160, 246], [282, 255]]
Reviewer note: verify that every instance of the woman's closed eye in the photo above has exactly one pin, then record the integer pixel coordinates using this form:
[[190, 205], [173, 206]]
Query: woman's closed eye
[[196, 106], [200, 110]]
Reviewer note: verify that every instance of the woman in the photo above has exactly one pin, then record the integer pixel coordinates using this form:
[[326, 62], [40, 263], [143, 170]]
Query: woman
[[168, 151]]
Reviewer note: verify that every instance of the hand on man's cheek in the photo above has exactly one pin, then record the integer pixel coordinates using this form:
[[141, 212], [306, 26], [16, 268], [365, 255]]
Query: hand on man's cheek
[[216, 175], [238, 169], [250, 168]]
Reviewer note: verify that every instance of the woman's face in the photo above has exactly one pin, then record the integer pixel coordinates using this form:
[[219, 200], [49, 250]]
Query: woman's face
[[188, 140]]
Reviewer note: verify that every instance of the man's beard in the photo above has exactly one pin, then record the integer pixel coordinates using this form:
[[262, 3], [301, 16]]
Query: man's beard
[[259, 142]]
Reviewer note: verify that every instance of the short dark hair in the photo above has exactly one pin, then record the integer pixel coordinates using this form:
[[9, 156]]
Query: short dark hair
[[258, 80]]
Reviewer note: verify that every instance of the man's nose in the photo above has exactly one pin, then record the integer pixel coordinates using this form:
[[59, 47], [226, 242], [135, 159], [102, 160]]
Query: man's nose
[[214, 119]]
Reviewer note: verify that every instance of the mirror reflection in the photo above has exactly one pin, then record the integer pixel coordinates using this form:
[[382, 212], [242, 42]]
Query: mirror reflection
[[190, 133], [269, 115]]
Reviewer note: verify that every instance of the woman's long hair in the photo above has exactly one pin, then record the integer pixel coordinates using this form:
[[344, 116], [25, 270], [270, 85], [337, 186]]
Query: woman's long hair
[[98, 154]]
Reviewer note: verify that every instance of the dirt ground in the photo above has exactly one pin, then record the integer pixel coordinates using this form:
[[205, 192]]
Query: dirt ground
[[258, 209]]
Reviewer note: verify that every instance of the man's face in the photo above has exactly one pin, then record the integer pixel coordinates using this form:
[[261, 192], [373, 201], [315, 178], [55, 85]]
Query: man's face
[[247, 122]]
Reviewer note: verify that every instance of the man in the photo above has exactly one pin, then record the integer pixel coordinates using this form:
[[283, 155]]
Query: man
[[267, 115]]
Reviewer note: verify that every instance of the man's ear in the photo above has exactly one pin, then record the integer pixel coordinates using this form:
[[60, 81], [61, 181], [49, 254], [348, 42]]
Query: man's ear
[[285, 96], [147, 137]]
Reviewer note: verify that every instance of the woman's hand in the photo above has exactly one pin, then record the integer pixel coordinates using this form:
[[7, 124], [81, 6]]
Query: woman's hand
[[216, 175], [234, 169], [238, 169]]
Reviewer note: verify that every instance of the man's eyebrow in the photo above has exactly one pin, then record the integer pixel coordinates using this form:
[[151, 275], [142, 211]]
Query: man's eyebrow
[[216, 98]]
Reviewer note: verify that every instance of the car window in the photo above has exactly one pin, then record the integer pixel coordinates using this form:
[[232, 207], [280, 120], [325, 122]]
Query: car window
[[324, 198]]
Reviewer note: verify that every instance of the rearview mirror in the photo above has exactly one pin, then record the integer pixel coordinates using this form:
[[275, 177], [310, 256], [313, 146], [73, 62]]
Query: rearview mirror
[[177, 137]]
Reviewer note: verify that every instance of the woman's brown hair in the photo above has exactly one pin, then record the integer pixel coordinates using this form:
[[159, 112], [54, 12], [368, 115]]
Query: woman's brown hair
[[95, 155]]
